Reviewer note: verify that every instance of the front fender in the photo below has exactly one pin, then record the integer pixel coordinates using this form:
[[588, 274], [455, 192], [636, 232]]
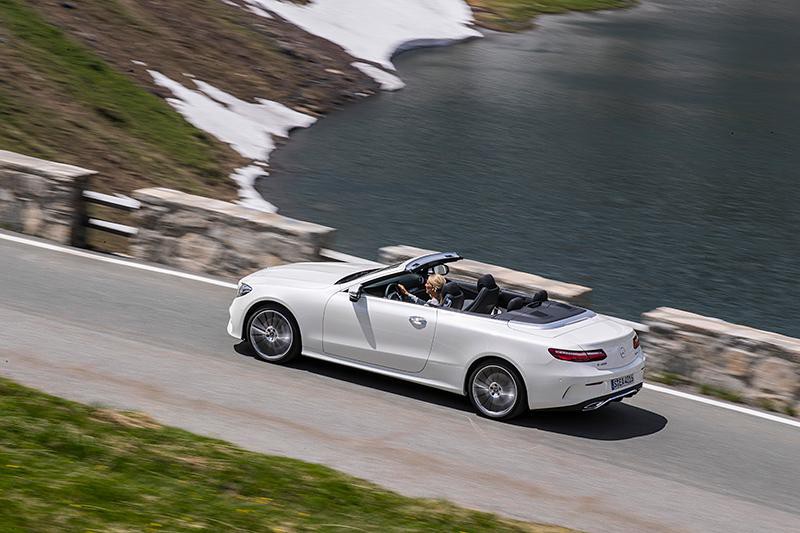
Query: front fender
[[305, 304]]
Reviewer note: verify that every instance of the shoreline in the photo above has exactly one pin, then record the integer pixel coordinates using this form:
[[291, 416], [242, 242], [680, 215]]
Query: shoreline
[[374, 61], [394, 82], [254, 126]]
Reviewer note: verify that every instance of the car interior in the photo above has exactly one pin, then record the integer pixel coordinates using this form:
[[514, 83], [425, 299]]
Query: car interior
[[484, 297]]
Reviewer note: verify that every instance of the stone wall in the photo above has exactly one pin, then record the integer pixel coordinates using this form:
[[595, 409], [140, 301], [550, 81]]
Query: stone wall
[[505, 277], [211, 236], [40, 198], [743, 363]]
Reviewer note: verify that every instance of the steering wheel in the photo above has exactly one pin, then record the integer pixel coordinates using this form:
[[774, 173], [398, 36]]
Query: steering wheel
[[391, 292]]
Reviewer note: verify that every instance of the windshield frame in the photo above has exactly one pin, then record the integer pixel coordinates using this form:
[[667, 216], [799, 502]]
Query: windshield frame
[[360, 274]]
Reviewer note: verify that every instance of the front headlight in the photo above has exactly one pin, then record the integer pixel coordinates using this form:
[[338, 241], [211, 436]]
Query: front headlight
[[244, 288]]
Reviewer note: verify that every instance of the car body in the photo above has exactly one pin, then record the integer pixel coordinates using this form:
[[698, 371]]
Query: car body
[[549, 354]]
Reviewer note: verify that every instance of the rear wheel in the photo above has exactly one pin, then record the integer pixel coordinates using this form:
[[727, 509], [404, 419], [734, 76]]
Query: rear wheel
[[273, 334], [496, 390]]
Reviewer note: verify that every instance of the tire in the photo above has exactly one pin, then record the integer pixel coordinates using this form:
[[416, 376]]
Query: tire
[[273, 334], [496, 390]]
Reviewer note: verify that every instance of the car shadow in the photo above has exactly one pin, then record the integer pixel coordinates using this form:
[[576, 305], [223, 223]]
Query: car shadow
[[616, 421], [371, 380]]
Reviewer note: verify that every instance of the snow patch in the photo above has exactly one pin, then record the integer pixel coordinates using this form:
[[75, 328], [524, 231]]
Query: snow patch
[[245, 178], [375, 30], [388, 81], [140, 63], [257, 10], [247, 127]]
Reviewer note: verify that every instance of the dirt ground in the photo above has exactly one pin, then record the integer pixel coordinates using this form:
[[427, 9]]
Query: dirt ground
[[241, 53]]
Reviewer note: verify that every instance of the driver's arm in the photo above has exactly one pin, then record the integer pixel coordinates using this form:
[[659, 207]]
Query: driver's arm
[[408, 297]]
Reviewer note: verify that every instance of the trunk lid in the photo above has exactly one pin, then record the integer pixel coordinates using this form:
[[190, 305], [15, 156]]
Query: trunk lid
[[596, 332], [615, 339]]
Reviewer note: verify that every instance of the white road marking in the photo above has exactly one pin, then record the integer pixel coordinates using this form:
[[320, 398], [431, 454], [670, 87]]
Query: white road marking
[[195, 277], [116, 261], [724, 405]]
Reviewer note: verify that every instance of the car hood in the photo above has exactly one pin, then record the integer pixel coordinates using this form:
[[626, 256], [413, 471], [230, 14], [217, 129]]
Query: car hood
[[306, 274]]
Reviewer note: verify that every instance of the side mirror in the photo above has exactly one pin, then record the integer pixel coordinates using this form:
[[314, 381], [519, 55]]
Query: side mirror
[[355, 293], [441, 269]]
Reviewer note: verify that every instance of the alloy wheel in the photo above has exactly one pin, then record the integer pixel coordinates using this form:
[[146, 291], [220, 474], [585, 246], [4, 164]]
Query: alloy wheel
[[494, 390], [271, 334]]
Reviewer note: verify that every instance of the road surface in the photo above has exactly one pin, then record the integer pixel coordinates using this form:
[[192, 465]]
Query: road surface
[[109, 334]]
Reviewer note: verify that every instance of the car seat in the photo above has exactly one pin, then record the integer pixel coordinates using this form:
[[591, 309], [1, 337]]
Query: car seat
[[518, 302], [487, 298], [452, 292]]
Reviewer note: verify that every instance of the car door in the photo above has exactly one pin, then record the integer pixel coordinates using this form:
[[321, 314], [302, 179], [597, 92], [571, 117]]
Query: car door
[[374, 330]]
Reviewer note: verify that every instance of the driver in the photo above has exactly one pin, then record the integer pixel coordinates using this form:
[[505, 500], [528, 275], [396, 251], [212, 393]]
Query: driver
[[433, 287]]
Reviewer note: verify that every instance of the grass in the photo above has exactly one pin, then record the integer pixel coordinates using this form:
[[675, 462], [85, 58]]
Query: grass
[[672, 379], [723, 394], [776, 407], [65, 466], [59, 96], [515, 15], [668, 378]]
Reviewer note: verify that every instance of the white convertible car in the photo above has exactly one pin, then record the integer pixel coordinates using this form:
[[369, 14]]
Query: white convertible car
[[507, 352]]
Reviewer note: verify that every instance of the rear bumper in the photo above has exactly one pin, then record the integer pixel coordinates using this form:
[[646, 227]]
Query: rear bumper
[[571, 385], [597, 403]]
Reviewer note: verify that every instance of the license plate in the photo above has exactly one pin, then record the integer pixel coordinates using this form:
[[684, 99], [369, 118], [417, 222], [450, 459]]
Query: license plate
[[618, 383]]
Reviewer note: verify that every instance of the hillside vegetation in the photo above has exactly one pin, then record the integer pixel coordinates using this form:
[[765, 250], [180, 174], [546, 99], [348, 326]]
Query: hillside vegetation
[[69, 467], [70, 91]]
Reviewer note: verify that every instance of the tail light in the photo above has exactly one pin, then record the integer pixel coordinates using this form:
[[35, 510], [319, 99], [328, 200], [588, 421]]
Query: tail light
[[635, 341], [577, 356]]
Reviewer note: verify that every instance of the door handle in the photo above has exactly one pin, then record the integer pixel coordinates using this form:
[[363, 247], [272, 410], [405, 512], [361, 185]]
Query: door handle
[[417, 321]]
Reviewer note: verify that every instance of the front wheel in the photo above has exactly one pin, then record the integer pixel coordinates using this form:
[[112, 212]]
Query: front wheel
[[273, 334], [496, 390]]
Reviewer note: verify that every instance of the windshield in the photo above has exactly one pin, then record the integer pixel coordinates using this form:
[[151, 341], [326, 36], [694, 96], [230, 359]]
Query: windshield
[[356, 275]]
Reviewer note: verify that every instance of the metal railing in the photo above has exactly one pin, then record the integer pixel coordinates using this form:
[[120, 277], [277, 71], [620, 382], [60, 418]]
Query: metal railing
[[84, 222]]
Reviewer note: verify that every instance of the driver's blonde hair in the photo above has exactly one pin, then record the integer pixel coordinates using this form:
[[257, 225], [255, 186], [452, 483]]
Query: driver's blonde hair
[[437, 281]]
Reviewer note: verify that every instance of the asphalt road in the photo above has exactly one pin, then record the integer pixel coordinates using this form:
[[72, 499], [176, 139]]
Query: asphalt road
[[113, 335]]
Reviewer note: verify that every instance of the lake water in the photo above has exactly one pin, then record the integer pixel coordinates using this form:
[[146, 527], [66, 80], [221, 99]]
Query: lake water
[[652, 154]]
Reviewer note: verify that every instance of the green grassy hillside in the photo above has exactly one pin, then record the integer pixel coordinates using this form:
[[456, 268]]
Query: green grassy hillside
[[69, 467], [70, 91], [59, 100]]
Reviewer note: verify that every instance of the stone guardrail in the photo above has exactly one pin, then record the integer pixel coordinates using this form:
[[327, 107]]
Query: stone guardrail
[[736, 362], [505, 277], [211, 236], [39, 197]]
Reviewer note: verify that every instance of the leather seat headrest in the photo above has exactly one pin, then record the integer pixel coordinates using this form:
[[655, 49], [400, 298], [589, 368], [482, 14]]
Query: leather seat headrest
[[451, 289], [487, 281], [515, 303], [539, 296], [453, 292]]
